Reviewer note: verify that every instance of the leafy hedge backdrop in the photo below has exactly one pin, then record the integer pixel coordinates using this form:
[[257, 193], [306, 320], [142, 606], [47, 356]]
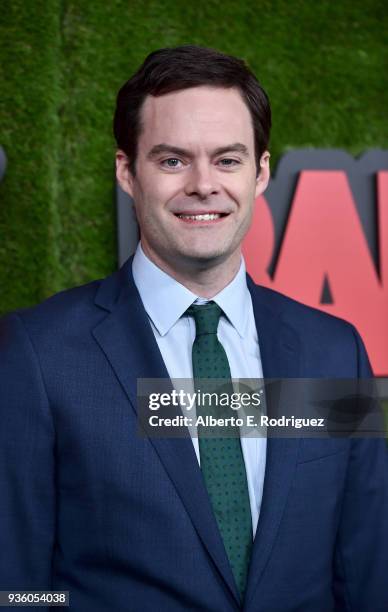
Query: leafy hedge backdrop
[[322, 63]]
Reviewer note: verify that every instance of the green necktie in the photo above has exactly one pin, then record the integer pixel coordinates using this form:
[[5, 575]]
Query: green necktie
[[222, 461]]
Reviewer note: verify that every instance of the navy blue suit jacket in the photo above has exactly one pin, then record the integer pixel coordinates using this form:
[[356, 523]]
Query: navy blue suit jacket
[[124, 523]]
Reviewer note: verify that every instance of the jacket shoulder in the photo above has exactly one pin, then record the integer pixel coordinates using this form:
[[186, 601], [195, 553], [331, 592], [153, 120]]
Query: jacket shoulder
[[65, 313], [297, 313], [324, 337]]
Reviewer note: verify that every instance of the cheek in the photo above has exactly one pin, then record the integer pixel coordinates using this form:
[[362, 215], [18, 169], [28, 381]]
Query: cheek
[[158, 191], [168, 186], [241, 187], [245, 199]]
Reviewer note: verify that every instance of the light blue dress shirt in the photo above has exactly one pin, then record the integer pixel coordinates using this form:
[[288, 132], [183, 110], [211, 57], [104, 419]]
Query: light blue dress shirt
[[166, 301]]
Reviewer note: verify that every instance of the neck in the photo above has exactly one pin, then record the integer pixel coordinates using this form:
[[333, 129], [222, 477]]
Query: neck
[[201, 278]]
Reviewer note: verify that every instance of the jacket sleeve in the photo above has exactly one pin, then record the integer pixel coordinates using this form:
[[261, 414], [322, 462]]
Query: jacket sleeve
[[361, 558], [27, 494]]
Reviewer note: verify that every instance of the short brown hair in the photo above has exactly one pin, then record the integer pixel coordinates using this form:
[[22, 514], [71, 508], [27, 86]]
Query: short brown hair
[[173, 69]]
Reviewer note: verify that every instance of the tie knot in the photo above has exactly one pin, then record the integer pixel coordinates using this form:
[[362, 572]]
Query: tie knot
[[206, 317]]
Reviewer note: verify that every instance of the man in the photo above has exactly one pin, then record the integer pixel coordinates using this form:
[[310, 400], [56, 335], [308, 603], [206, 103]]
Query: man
[[124, 522]]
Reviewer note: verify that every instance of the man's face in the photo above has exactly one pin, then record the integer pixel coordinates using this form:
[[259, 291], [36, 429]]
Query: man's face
[[195, 181]]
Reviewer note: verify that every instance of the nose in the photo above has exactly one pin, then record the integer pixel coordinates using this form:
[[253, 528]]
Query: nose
[[201, 181]]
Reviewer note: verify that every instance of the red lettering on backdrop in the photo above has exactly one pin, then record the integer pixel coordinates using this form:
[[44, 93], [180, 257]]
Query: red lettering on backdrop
[[324, 239]]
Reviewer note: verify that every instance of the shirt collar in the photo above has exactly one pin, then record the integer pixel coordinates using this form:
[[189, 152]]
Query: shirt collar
[[166, 300], [234, 300]]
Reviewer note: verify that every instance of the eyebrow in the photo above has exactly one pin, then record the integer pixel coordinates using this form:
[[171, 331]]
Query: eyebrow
[[236, 147]]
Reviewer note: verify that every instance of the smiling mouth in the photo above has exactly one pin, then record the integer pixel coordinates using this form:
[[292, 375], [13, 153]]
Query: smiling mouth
[[201, 217]]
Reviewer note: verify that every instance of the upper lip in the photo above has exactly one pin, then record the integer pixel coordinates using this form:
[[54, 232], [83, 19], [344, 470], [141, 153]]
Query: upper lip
[[201, 212]]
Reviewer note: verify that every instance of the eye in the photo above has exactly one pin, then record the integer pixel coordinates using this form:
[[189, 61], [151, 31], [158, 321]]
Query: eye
[[227, 162], [171, 162]]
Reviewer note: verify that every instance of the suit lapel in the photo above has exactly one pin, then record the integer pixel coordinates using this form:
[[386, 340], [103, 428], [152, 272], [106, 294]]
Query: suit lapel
[[281, 358], [126, 338]]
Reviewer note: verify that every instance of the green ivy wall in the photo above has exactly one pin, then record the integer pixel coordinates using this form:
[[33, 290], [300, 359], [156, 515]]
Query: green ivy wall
[[322, 63]]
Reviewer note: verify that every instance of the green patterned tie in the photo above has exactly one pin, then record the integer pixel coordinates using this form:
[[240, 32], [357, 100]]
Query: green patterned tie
[[222, 461]]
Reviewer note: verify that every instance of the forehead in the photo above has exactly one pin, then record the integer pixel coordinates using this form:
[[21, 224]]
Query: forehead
[[196, 116]]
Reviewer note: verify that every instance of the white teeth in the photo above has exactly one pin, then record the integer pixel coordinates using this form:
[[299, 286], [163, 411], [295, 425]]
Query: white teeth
[[206, 217]]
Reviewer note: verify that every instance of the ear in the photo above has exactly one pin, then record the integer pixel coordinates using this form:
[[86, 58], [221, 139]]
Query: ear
[[262, 179], [123, 174]]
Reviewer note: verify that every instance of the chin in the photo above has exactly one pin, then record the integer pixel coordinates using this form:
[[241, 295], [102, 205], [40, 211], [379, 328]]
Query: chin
[[206, 256]]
